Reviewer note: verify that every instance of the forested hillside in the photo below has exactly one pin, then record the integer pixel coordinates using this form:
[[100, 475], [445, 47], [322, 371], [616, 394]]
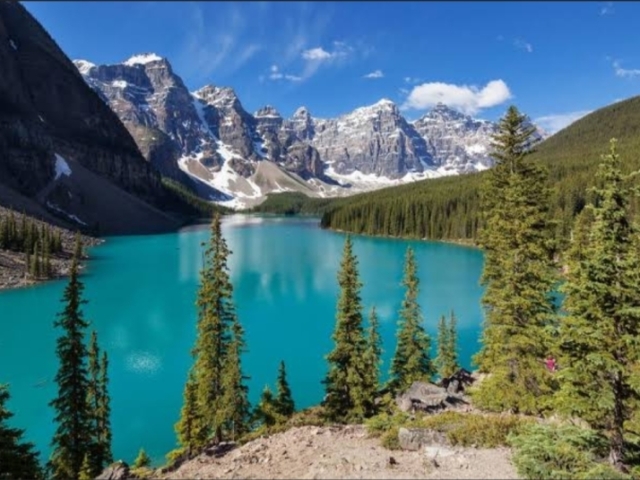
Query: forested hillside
[[447, 208]]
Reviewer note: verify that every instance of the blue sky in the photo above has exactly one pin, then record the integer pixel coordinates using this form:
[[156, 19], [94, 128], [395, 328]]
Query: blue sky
[[554, 60]]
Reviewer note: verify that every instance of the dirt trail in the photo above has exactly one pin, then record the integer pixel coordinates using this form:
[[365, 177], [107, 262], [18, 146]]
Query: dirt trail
[[344, 452]]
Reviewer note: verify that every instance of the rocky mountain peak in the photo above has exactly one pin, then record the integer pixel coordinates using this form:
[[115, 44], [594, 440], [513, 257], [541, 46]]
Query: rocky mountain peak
[[267, 111], [444, 112], [220, 97], [301, 113]]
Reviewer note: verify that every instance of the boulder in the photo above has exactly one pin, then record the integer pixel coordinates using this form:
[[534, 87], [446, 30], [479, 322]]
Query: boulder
[[417, 438], [422, 396], [458, 382], [116, 471]]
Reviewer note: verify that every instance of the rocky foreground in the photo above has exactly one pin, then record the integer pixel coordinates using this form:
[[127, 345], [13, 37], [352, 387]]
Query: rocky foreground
[[344, 452], [337, 452]]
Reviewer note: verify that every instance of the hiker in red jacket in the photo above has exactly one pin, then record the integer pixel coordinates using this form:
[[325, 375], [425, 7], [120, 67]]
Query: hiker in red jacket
[[550, 363]]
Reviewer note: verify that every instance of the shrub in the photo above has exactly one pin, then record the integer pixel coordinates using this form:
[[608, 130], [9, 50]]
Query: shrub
[[467, 429], [560, 452], [382, 423]]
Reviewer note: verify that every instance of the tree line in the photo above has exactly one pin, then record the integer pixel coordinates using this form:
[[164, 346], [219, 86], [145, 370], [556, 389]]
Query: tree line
[[38, 244], [450, 208]]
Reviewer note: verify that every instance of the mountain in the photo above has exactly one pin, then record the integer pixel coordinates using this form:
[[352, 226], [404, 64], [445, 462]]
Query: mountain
[[207, 140], [64, 154], [447, 208]]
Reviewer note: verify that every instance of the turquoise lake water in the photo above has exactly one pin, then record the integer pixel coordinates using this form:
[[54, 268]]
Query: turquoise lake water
[[141, 292]]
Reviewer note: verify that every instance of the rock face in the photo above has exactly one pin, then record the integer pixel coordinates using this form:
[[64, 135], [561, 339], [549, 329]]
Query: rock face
[[456, 141], [210, 138], [372, 140], [47, 112]]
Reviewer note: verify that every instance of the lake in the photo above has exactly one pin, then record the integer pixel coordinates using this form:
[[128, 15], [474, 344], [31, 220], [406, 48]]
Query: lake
[[142, 290]]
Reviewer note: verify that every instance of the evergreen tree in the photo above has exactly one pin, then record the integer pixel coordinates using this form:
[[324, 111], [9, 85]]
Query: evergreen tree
[[373, 355], [142, 460], [346, 382], [71, 438], [453, 344], [94, 392], [3, 234], [447, 358], [411, 361], [235, 393], [267, 411], [284, 400], [599, 375], [221, 397], [190, 428], [104, 412], [18, 459], [216, 314], [518, 274]]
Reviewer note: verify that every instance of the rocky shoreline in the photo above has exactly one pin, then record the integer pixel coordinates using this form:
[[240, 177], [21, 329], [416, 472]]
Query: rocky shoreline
[[12, 264]]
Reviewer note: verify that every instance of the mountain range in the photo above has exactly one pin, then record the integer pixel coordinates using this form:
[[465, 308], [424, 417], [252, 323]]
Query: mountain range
[[206, 139]]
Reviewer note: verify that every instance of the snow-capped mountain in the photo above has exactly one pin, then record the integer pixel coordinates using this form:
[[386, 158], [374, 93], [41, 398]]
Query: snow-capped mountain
[[206, 139]]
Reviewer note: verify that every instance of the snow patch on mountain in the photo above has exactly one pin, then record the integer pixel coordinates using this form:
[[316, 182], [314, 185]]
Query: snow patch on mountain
[[62, 167], [142, 59], [84, 66]]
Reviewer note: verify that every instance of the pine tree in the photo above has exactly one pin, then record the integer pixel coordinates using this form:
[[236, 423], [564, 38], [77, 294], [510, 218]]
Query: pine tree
[[71, 438], [104, 412], [447, 359], [235, 400], [599, 374], [454, 366], [94, 453], [284, 400], [221, 396], [373, 355], [345, 383], [190, 428], [142, 460], [518, 274], [18, 459], [3, 234], [267, 412], [411, 361]]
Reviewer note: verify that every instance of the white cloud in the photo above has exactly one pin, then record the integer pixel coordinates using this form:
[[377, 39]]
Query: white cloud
[[607, 9], [276, 74], [412, 80], [523, 45], [468, 99], [316, 57], [374, 74], [317, 53], [555, 122], [624, 72]]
